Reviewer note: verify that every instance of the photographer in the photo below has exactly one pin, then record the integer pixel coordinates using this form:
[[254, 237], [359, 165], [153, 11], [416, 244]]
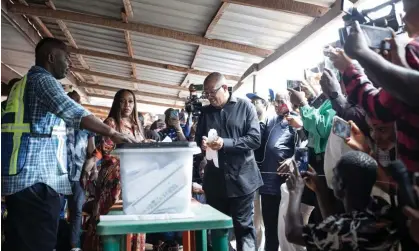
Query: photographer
[[174, 129], [230, 187], [367, 223]]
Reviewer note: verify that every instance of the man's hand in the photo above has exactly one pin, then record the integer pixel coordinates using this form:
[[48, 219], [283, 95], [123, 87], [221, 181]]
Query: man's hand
[[94, 174], [196, 188], [294, 121], [148, 141], [285, 167], [413, 223], [311, 179], [295, 183], [340, 60], [297, 98], [329, 83], [357, 141], [356, 42], [217, 144], [396, 52], [204, 143], [119, 138], [174, 122]]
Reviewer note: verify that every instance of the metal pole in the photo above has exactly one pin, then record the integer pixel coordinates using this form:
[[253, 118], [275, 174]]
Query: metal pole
[[254, 83]]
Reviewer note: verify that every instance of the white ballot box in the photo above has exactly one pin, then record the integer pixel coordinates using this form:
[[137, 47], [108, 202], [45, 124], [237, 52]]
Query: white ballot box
[[156, 178]]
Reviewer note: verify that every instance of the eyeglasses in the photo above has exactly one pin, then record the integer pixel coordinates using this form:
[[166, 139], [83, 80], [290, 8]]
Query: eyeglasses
[[279, 102], [211, 93]]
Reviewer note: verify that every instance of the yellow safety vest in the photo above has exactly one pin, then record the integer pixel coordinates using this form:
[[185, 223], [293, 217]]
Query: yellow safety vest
[[15, 123]]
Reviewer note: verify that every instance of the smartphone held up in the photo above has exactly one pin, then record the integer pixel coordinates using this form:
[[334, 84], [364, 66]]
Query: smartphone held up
[[375, 26], [174, 114], [341, 128], [301, 158]]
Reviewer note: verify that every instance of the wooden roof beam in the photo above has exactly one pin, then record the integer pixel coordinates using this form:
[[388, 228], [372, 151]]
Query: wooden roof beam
[[105, 55], [128, 40], [70, 39], [130, 80], [138, 102], [291, 6], [138, 27], [136, 92], [210, 28], [38, 22]]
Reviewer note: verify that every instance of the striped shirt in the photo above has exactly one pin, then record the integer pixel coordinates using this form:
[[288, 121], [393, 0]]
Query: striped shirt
[[412, 54], [379, 104], [42, 159]]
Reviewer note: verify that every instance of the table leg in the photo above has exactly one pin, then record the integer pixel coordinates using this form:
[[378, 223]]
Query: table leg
[[219, 240], [186, 239], [128, 242], [201, 240], [193, 241], [111, 242]]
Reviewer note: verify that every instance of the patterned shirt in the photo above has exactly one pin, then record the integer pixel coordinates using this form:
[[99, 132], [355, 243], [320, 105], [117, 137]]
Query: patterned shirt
[[378, 103], [43, 159], [77, 141], [372, 229]]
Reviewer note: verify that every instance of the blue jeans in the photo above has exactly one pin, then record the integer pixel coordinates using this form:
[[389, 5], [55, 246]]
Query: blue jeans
[[75, 204]]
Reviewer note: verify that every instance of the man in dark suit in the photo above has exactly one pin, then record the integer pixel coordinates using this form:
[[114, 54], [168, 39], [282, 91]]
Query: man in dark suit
[[230, 188]]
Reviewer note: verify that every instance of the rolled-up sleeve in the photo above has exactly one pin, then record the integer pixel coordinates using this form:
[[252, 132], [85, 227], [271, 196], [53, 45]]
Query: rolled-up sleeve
[[252, 138], [56, 101]]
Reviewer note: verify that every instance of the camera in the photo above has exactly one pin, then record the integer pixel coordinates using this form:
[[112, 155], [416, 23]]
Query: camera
[[375, 29], [193, 105]]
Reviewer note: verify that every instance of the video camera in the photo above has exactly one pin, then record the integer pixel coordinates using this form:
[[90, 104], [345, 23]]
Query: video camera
[[375, 29], [193, 105]]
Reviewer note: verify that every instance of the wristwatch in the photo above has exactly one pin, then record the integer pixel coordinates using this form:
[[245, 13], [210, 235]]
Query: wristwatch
[[334, 95]]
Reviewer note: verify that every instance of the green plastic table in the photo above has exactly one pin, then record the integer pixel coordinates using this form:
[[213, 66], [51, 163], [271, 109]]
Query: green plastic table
[[205, 218]]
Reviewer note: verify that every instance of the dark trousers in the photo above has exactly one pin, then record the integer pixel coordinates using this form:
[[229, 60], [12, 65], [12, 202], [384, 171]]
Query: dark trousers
[[270, 211], [241, 211], [32, 220], [75, 204]]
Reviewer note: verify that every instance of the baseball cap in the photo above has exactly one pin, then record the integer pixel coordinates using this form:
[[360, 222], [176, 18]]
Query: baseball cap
[[267, 97]]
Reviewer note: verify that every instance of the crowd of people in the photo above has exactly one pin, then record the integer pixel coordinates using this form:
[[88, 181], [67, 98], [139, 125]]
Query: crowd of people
[[358, 192]]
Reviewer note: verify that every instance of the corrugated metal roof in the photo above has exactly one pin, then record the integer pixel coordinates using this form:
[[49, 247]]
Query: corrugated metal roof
[[258, 27], [116, 83], [192, 16], [212, 59], [160, 75], [162, 50], [240, 24], [109, 66], [97, 38], [16, 51], [111, 8]]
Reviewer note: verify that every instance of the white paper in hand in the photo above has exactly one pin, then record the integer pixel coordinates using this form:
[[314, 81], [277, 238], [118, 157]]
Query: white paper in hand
[[211, 154]]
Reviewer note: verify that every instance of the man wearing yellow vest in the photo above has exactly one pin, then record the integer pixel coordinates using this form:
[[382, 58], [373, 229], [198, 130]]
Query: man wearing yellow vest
[[33, 142]]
